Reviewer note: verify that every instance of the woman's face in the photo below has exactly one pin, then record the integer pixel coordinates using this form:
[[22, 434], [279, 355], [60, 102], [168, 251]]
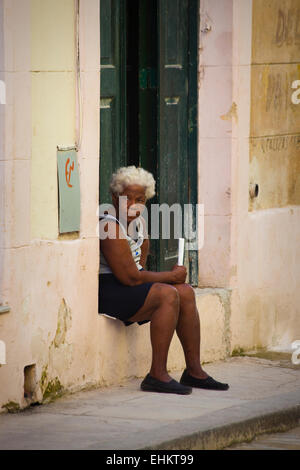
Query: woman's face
[[134, 205]]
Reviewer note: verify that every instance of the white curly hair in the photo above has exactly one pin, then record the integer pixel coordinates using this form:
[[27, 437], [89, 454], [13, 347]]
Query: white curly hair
[[128, 175]]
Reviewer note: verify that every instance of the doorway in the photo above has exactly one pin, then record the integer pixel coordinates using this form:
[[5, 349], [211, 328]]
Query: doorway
[[148, 109]]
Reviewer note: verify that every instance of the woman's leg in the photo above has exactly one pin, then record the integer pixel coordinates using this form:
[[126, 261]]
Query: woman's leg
[[161, 307], [188, 330]]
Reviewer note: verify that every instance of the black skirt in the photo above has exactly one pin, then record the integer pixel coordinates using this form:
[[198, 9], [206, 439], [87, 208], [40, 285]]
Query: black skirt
[[120, 301]]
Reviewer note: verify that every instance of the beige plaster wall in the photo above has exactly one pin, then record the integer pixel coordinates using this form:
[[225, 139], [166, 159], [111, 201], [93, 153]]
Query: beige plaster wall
[[265, 230], [248, 133], [216, 111], [52, 105], [275, 115], [48, 281]]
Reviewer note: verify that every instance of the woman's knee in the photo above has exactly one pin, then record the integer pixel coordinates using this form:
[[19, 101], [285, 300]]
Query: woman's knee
[[166, 294], [186, 292]]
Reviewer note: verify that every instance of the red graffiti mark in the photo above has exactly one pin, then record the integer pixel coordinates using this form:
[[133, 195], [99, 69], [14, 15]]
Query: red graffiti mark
[[68, 172]]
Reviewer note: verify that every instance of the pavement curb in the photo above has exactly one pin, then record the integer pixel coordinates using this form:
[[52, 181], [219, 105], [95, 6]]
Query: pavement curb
[[237, 432]]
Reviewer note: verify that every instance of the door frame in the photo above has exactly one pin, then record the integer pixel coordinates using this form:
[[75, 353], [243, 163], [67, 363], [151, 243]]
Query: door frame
[[192, 116], [193, 40]]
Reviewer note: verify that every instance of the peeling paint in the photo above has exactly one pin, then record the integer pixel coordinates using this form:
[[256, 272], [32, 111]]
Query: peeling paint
[[64, 322], [231, 114], [201, 74]]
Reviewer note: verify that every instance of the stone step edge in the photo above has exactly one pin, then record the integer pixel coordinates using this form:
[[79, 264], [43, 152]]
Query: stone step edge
[[218, 438]]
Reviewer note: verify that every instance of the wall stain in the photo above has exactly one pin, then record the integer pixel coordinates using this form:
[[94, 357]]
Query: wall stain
[[231, 114], [11, 407], [288, 27], [64, 322], [53, 390], [60, 356]]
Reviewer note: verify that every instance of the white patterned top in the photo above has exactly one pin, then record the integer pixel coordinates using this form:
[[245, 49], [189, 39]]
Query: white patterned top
[[134, 244]]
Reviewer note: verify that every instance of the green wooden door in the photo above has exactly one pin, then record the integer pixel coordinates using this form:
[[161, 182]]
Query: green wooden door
[[112, 92], [149, 103], [172, 117]]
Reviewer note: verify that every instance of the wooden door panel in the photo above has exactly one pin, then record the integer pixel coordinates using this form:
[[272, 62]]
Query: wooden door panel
[[113, 91], [172, 113]]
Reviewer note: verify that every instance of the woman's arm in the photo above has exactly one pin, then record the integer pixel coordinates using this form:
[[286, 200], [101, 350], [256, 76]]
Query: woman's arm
[[146, 244], [144, 253], [118, 255]]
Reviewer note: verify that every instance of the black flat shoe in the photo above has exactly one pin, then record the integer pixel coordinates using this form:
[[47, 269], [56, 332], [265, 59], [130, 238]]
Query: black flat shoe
[[209, 383], [150, 384]]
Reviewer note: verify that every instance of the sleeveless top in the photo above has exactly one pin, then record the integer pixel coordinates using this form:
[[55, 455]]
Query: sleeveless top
[[134, 244]]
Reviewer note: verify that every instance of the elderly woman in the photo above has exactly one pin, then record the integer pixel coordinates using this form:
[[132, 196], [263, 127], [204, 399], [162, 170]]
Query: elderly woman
[[129, 292]]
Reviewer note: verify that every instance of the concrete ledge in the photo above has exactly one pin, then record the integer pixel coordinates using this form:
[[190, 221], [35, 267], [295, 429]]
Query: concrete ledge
[[126, 351]]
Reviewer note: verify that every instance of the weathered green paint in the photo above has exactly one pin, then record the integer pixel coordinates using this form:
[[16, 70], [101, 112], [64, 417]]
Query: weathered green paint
[[172, 114], [112, 92], [69, 191]]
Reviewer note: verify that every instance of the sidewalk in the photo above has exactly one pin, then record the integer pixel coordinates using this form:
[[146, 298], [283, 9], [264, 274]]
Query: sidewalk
[[264, 396]]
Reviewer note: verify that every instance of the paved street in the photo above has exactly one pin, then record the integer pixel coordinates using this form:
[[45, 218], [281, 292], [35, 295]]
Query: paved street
[[289, 440], [264, 396]]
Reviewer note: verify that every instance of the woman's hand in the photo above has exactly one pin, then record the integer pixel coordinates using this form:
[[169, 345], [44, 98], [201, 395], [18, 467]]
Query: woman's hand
[[119, 257], [179, 274]]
